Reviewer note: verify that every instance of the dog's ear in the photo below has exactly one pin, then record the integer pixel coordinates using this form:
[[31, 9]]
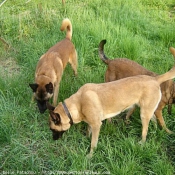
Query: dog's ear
[[49, 88], [34, 87], [49, 106], [55, 117]]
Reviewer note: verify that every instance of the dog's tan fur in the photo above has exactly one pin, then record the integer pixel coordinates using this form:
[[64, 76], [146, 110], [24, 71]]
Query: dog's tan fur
[[121, 68], [93, 103], [51, 65]]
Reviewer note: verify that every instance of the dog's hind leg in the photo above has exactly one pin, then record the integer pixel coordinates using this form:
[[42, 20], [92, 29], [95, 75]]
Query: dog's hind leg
[[145, 118], [148, 104], [158, 114], [74, 62]]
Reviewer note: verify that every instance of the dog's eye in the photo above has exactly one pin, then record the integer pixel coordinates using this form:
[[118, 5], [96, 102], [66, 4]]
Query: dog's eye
[[56, 122]]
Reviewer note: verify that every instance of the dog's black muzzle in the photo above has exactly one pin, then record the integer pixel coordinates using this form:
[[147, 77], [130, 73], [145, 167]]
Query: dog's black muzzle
[[42, 106], [56, 134]]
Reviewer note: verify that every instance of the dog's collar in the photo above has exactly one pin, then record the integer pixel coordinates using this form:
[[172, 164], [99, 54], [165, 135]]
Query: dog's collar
[[67, 112]]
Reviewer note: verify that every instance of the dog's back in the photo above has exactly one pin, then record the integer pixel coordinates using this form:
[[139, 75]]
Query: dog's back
[[121, 67], [64, 48]]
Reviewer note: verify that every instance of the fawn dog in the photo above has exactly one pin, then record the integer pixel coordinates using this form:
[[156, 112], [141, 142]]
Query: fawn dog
[[121, 68], [50, 68], [93, 103]]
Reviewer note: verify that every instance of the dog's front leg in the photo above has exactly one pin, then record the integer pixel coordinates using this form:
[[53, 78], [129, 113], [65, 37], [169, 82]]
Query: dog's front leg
[[73, 62], [95, 134], [55, 95]]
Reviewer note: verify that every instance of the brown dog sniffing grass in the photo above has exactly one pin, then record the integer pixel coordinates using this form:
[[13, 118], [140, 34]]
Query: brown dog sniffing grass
[[93, 103], [50, 68], [122, 67]]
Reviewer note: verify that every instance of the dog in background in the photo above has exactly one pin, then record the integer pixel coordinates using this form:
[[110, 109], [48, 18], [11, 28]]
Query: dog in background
[[50, 67], [93, 103], [121, 68]]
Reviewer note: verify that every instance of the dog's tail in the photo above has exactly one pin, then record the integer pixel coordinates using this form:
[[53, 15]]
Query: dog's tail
[[170, 74], [67, 25], [102, 56]]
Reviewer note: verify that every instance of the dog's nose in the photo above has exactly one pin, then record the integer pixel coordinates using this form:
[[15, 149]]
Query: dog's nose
[[42, 111], [55, 137], [57, 134]]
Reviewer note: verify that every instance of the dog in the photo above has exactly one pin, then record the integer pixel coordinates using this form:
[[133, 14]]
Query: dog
[[122, 67], [93, 103], [50, 68]]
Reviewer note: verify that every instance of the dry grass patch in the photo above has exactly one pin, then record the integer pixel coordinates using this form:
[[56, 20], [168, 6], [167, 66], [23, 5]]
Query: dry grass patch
[[8, 67]]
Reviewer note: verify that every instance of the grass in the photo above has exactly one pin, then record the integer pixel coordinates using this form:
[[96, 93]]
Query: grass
[[142, 30]]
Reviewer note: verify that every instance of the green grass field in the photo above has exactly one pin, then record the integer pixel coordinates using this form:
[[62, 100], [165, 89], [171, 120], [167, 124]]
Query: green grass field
[[141, 30]]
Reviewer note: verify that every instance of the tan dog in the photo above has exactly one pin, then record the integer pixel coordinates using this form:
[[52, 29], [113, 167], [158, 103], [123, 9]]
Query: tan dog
[[93, 103], [50, 68], [121, 68]]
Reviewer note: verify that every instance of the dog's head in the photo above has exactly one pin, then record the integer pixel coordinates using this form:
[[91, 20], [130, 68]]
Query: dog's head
[[42, 93], [58, 122]]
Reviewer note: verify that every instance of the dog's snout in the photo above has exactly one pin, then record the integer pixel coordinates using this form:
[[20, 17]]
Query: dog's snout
[[57, 134], [42, 111], [42, 106], [55, 137]]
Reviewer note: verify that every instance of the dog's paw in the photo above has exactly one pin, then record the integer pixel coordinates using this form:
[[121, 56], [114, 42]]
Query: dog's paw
[[169, 131], [89, 156], [141, 142], [127, 121]]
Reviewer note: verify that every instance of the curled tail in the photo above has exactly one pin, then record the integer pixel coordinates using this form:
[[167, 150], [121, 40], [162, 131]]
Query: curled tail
[[67, 25], [170, 74], [101, 53]]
